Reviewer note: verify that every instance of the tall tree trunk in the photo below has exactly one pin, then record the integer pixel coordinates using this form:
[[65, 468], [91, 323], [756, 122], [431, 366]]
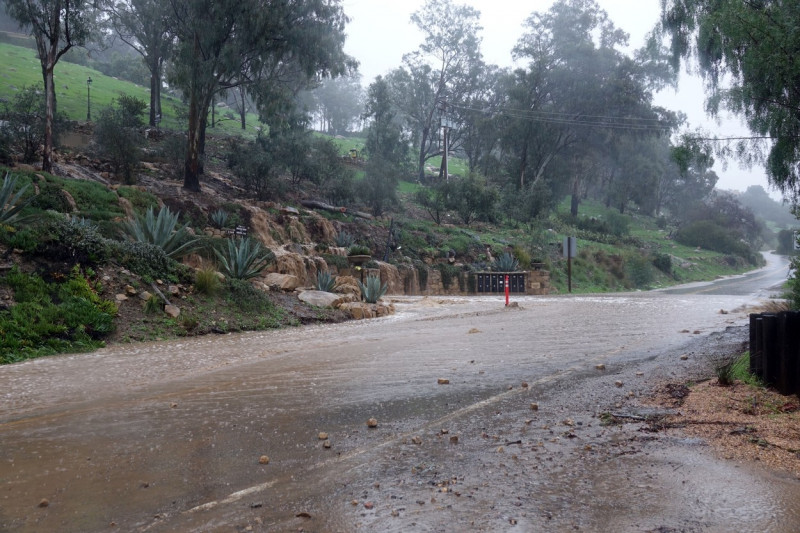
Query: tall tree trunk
[[421, 163], [155, 82], [576, 198], [191, 173], [50, 104], [243, 108]]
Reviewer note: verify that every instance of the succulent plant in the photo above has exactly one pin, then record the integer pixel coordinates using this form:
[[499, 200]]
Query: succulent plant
[[325, 281], [506, 263], [372, 290]]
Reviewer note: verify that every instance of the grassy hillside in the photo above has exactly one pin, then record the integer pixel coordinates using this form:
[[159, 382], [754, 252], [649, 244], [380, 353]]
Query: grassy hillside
[[21, 68]]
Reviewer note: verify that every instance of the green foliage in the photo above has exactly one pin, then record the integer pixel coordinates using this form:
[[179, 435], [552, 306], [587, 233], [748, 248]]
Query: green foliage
[[506, 263], [638, 271], [736, 369], [52, 318], [24, 123], [161, 231], [372, 290], [153, 305], [12, 201], [250, 300], [337, 261], [219, 218], [142, 258], [472, 199], [793, 284], [345, 239], [139, 199], [711, 236], [618, 224], [359, 249], [257, 167], [74, 239], [663, 262], [117, 135], [522, 256], [244, 258], [422, 274], [448, 273], [434, 200], [325, 281], [206, 281]]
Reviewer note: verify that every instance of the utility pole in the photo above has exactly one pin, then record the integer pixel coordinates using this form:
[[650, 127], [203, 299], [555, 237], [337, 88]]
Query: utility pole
[[445, 124]]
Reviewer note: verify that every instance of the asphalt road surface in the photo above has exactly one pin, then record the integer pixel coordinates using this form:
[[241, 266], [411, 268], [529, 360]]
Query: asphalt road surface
[[488, 419]]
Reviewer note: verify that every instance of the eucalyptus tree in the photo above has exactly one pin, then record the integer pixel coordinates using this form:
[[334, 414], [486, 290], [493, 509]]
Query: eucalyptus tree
[[274, 48], [386, 148], [56, 26], [144, 26], [747, 52], [438, 73], [337, 103]]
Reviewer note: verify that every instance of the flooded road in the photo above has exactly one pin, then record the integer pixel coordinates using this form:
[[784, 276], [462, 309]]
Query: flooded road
[[223, 433]]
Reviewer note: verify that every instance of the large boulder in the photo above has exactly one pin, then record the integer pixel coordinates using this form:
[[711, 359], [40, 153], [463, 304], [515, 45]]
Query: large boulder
[[322, 299], [347, 285], [391, 277], [284, 282]]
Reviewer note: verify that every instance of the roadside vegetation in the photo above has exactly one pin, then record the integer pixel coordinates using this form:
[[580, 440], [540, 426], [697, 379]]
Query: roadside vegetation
[[643, 207]]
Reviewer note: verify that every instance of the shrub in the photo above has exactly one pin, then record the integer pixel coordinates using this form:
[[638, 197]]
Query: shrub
[[325, 281], [244, 258], [142, 258], [24, 123], [638, 271], [117, 135], [74, 239], [207, 282], [161, 231], [337, 261], [52, 318], [449, 273], [711, 236], [618, 224], [359, 249], [663, 262], [372, 290]]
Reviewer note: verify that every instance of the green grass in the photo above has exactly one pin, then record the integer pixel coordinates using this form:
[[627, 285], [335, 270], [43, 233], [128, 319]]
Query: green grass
[[21, 68]]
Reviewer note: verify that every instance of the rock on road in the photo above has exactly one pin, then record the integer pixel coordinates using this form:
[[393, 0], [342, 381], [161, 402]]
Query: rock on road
[[488, 419]]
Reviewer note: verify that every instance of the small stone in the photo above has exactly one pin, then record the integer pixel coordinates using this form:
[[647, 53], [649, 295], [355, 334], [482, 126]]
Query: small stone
[[500, 449], [323, 435], [263, 460], [368, 505], [569, 422], [443, 381], [600, 366], [130, 291], [474, 330], [44, 503], [354, 503], [326, 444], [395, 513], [416, 440], [173, 405], [618, 383], [172, 310], [534, 406], [120, 297], [372, 423], [454, 439], [445, 431], [684, 357], [524, 384], [640, 374]]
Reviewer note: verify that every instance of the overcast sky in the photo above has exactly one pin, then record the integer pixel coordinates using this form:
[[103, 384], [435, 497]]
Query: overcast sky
[[380, 32]]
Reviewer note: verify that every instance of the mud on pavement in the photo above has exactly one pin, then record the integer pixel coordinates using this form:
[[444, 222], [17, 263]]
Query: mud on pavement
[[579, 452]]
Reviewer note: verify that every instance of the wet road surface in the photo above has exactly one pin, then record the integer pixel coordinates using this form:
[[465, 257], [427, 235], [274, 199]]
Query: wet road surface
[[169, 436]]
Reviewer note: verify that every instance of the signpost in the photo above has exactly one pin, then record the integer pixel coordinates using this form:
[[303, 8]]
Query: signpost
[[570, 251]]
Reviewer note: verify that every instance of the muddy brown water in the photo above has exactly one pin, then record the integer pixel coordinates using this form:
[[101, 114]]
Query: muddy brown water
[[168, 436]]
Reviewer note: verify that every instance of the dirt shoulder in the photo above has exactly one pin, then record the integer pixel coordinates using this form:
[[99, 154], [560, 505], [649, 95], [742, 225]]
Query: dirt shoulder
[[740, 422]]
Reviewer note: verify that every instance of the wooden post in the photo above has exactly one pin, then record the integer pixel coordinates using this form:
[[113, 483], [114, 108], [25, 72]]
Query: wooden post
[[771, 349]]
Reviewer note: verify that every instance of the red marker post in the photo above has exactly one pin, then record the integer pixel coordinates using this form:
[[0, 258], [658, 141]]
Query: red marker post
[[506, 290]]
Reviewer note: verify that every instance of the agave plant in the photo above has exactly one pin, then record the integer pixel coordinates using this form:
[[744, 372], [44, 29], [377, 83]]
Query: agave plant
[[345, 239], [219, 218], [162, 231], [11, 203], [244, 258], [372, 290], [506, 263], [325, 281]]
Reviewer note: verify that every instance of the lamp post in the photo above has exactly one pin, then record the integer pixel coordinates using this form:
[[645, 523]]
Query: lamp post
[[88, 100]]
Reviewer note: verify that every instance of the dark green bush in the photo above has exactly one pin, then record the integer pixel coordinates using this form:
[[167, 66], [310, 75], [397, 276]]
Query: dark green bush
[[638, 272], [141, 258], [711, 236], [663, 262]]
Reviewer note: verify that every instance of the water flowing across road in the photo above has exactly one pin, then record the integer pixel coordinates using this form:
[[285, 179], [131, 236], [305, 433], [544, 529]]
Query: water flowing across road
[[173, 436]]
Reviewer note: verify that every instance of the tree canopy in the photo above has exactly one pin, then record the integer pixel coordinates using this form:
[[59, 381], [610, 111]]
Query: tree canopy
[[747, 52]]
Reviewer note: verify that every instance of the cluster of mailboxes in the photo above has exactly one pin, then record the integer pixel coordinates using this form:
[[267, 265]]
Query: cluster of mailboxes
[[496, 282]]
